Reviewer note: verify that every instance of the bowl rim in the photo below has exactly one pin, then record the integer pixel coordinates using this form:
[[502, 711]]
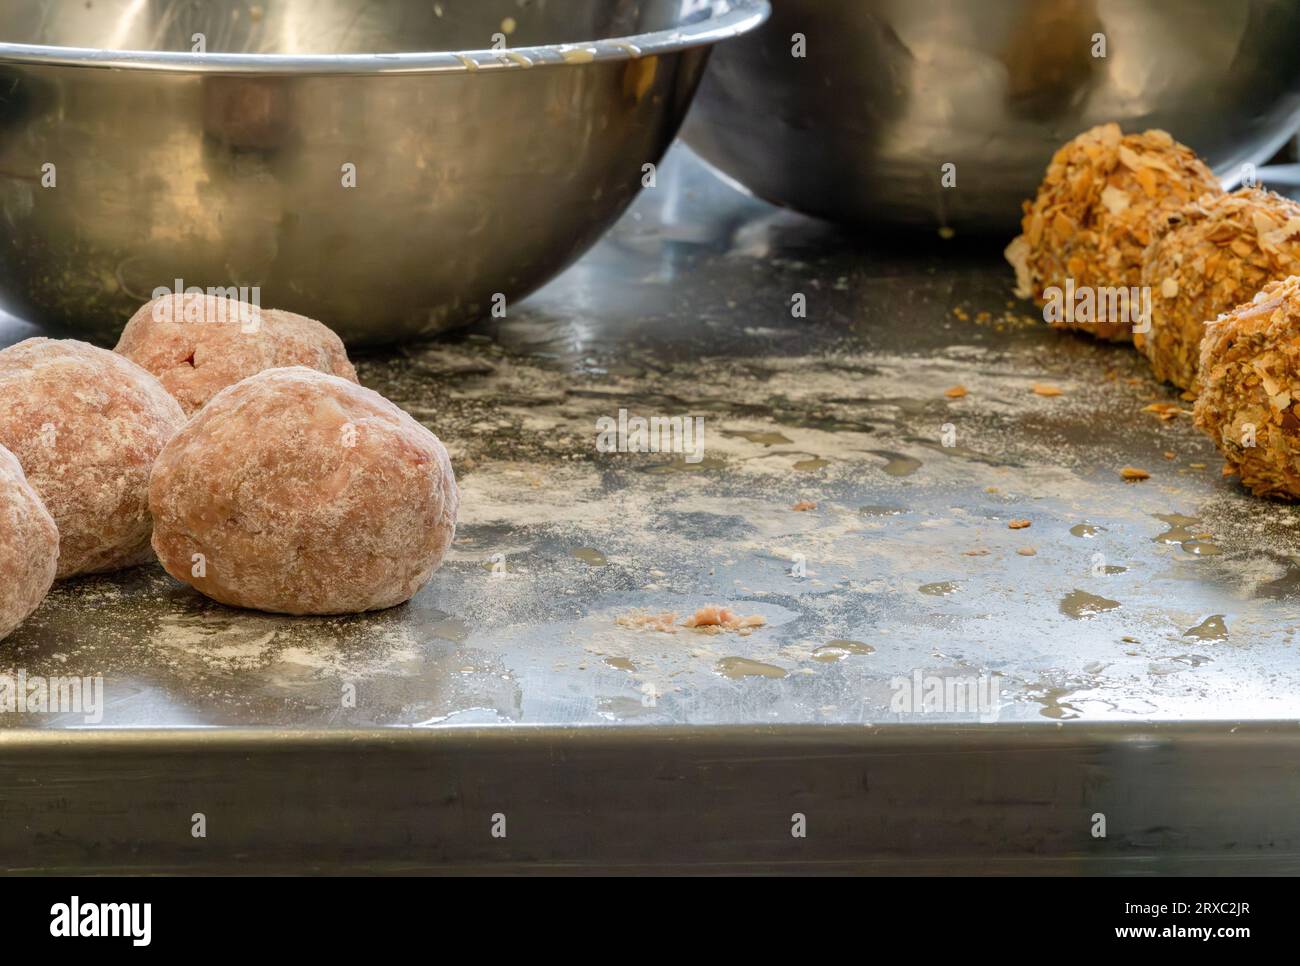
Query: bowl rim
[[738, 17]]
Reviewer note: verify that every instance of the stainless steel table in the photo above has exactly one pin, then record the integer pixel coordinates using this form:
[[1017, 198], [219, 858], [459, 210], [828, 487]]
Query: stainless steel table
[[1135, 642]]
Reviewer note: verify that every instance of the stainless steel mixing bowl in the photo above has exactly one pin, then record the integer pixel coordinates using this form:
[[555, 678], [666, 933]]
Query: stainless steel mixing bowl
[[891, 90], [491, 142]]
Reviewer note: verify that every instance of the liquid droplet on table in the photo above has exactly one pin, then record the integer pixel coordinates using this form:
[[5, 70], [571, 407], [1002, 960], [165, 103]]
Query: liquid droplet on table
[[881, 511], [897, 464], [838, 650], [757, 436], [1081, 605], [1054, 707], [939, 589], [1211, 629], [1178, 531], [1195, 660], [743, 667], [812, 465]]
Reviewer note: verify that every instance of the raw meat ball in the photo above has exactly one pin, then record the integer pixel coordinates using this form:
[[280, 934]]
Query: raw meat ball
[[300, 493], [1222, 251], [1250, 389], [198, 345], [29, 546], [86, 424], [1105, 197]]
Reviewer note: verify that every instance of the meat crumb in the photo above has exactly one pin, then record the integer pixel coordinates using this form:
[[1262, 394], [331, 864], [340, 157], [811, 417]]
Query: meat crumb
[[711, 619], [1165, 410], [714, 616]]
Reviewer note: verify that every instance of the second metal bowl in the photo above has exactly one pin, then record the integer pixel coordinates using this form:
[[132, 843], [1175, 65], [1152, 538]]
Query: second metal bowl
[[859, 124]]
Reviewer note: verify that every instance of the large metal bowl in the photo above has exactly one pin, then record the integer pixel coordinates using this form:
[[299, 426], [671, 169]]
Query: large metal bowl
[[128, 160], [891, 90]]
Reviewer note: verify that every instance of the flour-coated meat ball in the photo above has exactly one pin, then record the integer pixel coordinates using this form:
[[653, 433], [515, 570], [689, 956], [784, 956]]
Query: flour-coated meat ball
[[1105, 197], [198, 345], [1250, 389], [29, 546], [86, 424], [297, 492]]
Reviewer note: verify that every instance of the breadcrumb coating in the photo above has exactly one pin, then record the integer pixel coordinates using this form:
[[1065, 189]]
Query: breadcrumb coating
[[1223, 250], [1250, 386], [1105, 197]]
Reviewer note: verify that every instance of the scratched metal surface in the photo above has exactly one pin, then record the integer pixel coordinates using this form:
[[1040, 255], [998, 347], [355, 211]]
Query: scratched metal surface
[[1175, 598]]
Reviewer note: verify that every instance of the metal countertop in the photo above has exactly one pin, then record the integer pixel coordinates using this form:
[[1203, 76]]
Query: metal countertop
[[685, 310]]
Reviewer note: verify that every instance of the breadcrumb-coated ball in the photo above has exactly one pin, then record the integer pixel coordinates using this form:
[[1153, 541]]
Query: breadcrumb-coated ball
[[1221, 252], [297, 492], [86, 424], [198, 345], [29, 546], [1105, 197], [1250, 389]]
